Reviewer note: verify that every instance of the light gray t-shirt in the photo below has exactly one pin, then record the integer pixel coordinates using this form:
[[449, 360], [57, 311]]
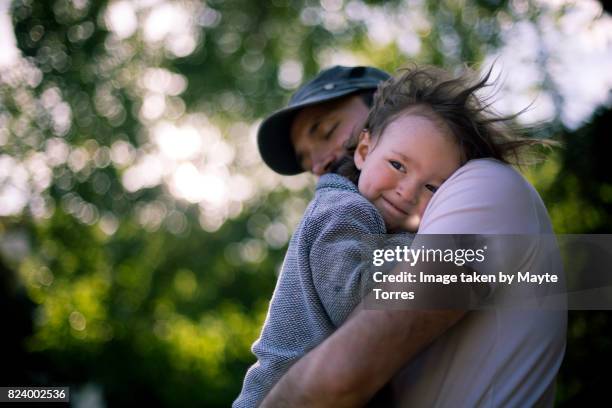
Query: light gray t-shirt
[[503, 357]]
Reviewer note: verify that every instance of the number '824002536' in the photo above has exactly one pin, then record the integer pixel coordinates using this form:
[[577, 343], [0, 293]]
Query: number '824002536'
[[34, 394]]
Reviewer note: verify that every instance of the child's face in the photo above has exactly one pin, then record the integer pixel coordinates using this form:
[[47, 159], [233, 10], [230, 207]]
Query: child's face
[[403, 167]]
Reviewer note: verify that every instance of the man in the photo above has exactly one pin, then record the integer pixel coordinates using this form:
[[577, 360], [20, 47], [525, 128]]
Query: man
[[448, 358], [308, 134]]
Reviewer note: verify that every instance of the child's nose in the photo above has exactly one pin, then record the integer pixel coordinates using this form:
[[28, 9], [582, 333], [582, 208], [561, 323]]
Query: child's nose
[[408, 192]]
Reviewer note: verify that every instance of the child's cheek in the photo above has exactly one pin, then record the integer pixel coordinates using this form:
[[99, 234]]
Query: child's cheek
[[412, 223], [364, 187], [423, 206]]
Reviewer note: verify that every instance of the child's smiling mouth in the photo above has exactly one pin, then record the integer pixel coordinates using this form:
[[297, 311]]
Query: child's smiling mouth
[[394, 207]]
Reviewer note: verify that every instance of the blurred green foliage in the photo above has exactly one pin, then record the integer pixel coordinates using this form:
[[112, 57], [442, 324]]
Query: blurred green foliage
[[122, 287]]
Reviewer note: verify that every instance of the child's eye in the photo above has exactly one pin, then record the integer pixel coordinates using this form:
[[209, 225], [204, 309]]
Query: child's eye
[[431, 188], [396, 165]]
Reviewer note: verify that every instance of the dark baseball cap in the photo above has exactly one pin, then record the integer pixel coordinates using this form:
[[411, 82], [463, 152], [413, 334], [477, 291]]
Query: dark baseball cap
[[273, 137]]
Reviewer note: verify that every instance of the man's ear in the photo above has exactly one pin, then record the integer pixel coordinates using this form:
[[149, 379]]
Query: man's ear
[[363, 148]]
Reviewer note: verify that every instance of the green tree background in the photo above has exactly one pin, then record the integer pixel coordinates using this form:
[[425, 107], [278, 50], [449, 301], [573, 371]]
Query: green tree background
[[140, 232]]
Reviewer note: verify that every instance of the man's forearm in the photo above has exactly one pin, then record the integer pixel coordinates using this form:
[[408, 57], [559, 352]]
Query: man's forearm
[[355, 362]]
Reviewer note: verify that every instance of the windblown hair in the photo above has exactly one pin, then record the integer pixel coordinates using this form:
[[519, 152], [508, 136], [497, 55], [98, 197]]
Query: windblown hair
[[453, 104]]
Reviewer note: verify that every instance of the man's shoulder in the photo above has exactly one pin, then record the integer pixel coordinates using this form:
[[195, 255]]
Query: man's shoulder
[[485, 174], [486, 196]]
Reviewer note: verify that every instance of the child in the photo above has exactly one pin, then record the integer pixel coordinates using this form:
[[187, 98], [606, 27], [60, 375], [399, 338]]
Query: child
[[423, 126]]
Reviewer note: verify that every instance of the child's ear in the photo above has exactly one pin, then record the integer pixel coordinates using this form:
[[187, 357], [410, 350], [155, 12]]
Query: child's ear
[[363, 148]]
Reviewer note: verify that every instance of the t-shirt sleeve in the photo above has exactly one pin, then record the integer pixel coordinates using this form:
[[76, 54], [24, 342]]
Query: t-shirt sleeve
[[485, 197], [492, 203]]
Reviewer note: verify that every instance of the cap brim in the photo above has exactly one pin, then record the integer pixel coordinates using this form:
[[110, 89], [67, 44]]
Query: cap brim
[[274, 142], [274, 134]]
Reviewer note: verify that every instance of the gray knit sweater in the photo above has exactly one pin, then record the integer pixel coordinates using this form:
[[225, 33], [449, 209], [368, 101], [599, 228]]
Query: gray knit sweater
[[319, 284]]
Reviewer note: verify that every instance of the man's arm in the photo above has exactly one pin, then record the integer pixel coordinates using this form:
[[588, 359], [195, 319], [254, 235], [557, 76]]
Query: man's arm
[[355, 362]]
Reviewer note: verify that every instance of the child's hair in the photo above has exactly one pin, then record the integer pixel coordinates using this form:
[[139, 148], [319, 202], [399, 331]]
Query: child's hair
[[452, 103]]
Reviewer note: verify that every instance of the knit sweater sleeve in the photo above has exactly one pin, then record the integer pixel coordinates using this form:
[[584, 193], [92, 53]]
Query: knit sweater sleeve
[[342, 226], [316, 290]]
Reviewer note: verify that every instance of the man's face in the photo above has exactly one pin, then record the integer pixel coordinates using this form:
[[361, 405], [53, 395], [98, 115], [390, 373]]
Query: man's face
[[318, 132]]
